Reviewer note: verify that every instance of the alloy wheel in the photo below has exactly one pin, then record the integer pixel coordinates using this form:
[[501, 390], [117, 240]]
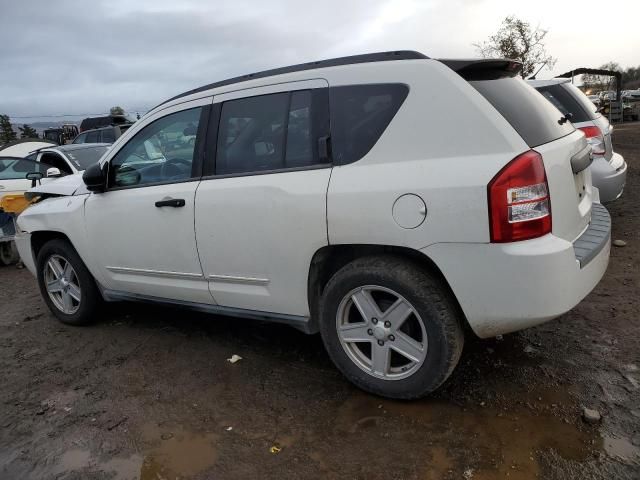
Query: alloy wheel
[[62, 284], [381, 332]]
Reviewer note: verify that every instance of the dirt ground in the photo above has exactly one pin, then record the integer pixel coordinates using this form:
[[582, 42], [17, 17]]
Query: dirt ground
[[148, 393]]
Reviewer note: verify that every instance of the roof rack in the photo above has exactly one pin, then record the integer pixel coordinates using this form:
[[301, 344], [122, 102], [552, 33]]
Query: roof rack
[[331, 62]]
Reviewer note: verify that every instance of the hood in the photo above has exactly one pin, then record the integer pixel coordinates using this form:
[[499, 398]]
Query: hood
[[64, 186]]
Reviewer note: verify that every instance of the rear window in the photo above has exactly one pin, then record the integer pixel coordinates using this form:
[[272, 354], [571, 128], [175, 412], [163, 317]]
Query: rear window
[[568, 101], [535, 119], [359, 116]]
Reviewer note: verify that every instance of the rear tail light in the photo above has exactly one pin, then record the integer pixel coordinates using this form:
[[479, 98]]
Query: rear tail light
[[595, 139], [519, 204]]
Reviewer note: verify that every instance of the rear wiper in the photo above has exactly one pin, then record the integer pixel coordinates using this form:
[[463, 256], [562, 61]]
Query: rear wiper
[[565, 119]]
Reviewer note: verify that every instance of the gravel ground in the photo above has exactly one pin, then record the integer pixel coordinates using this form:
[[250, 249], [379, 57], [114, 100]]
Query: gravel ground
[[148, 393]]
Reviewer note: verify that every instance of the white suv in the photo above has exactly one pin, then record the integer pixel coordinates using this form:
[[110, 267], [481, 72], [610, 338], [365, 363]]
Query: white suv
[[385, 200]]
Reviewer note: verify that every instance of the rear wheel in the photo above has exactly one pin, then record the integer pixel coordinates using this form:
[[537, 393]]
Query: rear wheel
[[390, 327], [66, 285]]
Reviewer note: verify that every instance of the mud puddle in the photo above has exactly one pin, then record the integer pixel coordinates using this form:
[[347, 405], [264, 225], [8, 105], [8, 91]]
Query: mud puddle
[[165, 453], [481, 442]]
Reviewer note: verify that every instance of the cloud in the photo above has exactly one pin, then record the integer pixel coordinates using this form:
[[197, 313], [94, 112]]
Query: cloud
[[84, 57]]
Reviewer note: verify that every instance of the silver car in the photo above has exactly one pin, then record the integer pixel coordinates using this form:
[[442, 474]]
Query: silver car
[[608, 170]]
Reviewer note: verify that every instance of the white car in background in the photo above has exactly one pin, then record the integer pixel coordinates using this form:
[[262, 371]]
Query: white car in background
[[340, 197], [609, 170], [50, 161]]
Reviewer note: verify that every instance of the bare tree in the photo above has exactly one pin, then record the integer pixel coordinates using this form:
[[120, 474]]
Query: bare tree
[[516, 40], [601, 82]]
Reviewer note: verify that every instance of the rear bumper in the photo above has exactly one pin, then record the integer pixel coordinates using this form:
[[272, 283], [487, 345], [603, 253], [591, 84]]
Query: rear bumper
[[609, 177], [503, 288]]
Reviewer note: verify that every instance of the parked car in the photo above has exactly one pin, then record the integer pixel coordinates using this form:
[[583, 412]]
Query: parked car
[[609, 170], [61, 135], [53, 161], [23, 147], [102, 135], [595, 99], [92, 123], [340, 197]]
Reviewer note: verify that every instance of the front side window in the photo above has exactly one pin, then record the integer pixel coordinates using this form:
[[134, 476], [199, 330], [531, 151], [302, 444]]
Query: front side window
[[82, 138], [56, 161], [271, 132], [12, 168], [163, 151]]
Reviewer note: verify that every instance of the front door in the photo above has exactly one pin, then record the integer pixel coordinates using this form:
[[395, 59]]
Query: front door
[[142, 227], [261, 212]]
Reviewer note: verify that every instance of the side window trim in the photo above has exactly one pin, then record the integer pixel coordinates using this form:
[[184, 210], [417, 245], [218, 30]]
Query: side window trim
[[198, 152], [210, 169]]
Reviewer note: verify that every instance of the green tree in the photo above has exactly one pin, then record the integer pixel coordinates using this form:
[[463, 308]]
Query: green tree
[[116, 111], [517, 40], [7, 133], [27, 131]]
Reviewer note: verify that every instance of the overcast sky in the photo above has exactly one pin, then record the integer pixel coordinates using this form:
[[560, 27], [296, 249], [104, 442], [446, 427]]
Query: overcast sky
[[78, 57]]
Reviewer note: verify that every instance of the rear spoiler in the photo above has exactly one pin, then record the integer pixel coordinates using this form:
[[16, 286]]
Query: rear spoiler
[[484, 69]]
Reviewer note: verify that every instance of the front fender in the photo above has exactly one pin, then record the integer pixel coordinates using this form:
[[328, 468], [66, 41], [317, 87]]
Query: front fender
[[63, 215]]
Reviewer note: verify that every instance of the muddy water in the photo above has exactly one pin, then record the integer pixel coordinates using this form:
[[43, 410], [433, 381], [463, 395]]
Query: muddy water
[[166, 453], [483, 442], [479, 442]]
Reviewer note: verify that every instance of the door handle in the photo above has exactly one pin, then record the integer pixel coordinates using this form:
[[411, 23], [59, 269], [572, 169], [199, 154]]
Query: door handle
[[171, 202]]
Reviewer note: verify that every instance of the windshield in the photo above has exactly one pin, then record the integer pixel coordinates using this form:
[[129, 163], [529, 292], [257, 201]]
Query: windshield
[[85, 157]]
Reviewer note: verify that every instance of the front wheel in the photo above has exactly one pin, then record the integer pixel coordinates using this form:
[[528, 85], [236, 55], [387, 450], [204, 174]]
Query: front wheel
[[390, 327], [66, 285]]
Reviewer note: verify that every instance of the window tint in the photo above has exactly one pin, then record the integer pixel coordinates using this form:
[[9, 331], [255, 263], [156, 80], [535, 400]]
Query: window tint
[[108, 135], [82, 138], [161, 152], [535, 119], [271, 132], [564, 101], [16, 168], [359, 116], [93, 137]]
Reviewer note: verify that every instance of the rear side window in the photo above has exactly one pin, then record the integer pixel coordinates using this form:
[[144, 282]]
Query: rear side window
[[271, 132], [93, 137], [566, 102], [535, 119], [359, 116], [108, 135]]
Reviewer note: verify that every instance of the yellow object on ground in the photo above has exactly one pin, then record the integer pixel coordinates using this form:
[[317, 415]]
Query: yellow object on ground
[[14, 203]]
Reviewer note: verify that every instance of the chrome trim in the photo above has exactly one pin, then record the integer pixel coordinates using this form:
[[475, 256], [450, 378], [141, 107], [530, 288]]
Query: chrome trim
[[234, 279], [154, 273]]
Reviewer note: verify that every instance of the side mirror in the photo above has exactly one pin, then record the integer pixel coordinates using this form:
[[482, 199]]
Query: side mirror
[[34, 177], [53, 172], [94, 178]]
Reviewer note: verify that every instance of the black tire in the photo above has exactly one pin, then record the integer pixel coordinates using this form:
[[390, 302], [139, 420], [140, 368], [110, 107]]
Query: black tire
[[442, 319], [90, 300]]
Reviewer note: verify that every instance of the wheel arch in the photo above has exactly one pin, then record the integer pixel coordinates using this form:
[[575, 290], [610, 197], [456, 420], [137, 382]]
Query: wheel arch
[[327, 260]]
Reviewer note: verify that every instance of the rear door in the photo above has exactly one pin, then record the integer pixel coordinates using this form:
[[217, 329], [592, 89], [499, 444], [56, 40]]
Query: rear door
[[261, 211]]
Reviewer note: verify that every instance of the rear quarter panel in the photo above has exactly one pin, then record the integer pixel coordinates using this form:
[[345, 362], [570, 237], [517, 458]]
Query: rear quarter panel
[[445, 144]]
